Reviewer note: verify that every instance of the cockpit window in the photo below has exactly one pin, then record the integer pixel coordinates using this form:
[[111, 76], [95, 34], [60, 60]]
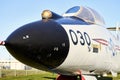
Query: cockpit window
[[73, 10], [86, 14], [97, 16]]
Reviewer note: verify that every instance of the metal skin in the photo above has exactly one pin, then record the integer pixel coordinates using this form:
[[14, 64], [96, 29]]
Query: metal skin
[[103, 61], [68, 46], [41, 44]]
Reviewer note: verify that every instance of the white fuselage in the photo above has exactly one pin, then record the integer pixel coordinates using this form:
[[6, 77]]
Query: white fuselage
[[93, 49]]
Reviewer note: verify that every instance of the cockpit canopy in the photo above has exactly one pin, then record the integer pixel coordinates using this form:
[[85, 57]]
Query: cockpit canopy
[[87, 14]]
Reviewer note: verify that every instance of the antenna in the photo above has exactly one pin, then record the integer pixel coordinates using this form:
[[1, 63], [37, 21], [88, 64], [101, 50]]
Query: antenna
[[117, 30], [2, 43]]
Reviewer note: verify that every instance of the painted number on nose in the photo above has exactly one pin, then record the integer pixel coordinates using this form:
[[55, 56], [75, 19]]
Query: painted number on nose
[[77, 36]]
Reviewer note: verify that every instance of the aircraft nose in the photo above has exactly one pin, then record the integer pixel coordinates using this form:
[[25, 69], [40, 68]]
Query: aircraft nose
[[41, 44]]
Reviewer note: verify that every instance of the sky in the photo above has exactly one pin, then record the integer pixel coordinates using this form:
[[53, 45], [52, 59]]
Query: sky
[[15, 13]]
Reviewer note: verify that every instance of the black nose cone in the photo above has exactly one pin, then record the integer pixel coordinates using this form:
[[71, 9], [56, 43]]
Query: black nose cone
[[41, 44]]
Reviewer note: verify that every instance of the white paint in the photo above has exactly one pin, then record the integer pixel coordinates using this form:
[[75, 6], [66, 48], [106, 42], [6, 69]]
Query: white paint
[[81, 59]]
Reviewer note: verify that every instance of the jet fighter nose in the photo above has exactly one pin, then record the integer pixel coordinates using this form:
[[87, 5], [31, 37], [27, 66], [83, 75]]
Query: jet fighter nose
[[41, 44]]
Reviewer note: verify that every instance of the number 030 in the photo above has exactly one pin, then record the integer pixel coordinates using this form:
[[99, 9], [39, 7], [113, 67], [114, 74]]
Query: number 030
[[77, 36]]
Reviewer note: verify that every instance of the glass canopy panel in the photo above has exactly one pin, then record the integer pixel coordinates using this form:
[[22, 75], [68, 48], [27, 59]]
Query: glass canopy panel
[[73, 10], [87, 14]]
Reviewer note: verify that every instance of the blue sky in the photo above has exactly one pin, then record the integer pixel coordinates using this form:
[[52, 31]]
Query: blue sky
[[15, 13]]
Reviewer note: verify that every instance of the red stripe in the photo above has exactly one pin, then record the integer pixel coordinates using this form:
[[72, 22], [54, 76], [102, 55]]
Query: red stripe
[[2, 42], [117, 47], [101, 41]]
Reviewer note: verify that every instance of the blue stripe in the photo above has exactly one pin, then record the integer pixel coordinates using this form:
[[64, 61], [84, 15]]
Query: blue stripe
[[72, 21]]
